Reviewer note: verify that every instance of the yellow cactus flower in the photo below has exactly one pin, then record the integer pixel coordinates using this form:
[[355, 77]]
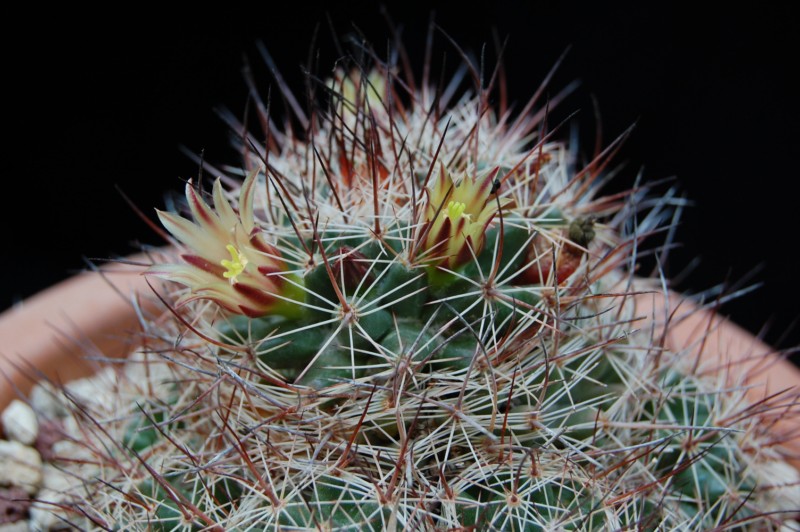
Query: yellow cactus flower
[[227, 259], [456, 218]]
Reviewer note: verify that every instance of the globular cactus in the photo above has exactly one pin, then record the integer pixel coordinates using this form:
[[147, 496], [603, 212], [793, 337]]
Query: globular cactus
[[412, 310]]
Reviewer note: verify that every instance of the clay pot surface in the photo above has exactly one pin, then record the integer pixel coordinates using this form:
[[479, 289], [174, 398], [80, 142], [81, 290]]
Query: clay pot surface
[[50, 334]]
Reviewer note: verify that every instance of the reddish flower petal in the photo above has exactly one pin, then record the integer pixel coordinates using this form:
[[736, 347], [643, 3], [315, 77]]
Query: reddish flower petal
[[201, 211], [254, 294], [203, 264]]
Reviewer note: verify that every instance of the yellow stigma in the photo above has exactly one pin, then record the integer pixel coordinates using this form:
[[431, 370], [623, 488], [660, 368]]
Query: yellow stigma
[[235, 266], [455, 210]]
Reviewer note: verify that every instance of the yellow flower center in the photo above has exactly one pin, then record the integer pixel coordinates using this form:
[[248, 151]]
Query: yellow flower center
[[455, 210], [235, 266]]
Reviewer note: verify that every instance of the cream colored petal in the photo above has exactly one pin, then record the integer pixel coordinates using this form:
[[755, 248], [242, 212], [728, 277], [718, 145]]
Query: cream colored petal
[[204, 216], [192, 236], [227, 216], [180, 273], [246, 198]]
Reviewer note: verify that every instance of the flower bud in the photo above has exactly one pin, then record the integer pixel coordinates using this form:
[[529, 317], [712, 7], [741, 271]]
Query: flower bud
[[456, 218]]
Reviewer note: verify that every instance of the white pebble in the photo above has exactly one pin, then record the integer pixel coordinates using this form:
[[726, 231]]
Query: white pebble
[[783, 481], [20, 423], [20, 466], [44, 514], [44, 511], [48, 402], [57, 480], [85, 392], [19, 526]]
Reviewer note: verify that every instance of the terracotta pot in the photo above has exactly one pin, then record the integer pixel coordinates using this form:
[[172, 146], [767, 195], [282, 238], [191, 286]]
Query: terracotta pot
[[51, 332]]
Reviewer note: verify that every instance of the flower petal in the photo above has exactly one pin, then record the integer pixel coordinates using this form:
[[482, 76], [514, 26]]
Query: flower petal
[[246, 197], [204, 216], [215, 269], [247, 281], [227, 216], [191, 236]]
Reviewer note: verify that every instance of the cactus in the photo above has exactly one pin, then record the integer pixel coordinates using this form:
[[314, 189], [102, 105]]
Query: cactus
[[412, 310]]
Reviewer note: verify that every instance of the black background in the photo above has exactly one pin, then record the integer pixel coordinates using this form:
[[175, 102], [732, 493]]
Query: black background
[[90, 106]]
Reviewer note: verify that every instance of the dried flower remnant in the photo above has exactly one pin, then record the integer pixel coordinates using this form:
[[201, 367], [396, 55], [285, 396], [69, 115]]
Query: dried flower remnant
[[568, 251]]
